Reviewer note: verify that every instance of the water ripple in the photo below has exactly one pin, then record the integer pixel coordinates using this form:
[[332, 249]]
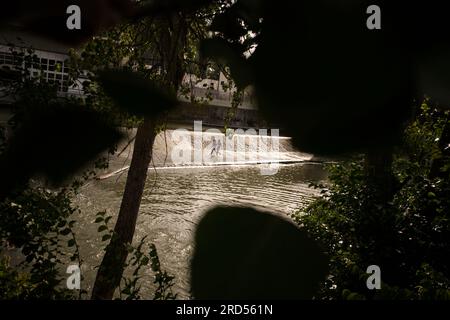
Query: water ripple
[[171, 208]]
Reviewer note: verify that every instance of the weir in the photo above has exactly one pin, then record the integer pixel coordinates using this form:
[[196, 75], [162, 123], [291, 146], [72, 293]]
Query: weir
[[181, 148]]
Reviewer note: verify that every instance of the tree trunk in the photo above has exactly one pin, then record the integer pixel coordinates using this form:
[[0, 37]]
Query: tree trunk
[[111, 268], [172, 45]]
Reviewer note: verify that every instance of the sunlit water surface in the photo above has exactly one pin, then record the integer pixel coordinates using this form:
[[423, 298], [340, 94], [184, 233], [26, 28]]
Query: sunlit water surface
[[175, 199]]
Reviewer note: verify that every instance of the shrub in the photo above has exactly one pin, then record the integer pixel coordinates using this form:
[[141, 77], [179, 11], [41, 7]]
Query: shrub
[[407, 237]]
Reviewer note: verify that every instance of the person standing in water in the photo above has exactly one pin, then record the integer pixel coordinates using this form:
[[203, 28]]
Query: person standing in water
[[215, 146]]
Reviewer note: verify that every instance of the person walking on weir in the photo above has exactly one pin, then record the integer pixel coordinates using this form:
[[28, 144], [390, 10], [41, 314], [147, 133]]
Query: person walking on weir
[[215, 146]]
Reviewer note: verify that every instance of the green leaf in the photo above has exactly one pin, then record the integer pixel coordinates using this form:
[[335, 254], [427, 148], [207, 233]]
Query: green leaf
[[71, 243], [99, 219], [102, 228], [65, 231], [106, 237], [145, 260], [61, 224]]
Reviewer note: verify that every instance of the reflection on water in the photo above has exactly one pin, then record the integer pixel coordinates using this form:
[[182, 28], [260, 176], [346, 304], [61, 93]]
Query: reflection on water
[[174, 200]]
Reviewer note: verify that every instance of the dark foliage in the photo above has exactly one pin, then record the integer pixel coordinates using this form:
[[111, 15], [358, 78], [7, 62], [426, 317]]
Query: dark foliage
[[407, 237], [335, 85], [241, 253], [136, 94]]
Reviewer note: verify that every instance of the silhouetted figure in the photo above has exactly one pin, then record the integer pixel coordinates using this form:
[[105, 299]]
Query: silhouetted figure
[[215, 146]]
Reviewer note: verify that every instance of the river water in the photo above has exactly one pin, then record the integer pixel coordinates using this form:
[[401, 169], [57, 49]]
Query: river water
[[175, 198]]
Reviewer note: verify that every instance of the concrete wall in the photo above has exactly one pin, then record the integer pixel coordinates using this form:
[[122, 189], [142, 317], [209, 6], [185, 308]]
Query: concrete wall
[[214, 116]]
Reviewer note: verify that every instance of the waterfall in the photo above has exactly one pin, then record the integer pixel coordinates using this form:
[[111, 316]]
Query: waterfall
[[183, 148], [192, 148]]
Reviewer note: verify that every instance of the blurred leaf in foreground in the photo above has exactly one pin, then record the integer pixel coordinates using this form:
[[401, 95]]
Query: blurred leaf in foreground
[[135, 94], [48, 18], [54, 141], [241, 253]]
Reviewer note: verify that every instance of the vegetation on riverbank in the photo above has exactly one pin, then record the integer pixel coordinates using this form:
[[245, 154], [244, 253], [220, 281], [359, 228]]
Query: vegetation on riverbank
[[38, 242], [38, 219], [407, 236]]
